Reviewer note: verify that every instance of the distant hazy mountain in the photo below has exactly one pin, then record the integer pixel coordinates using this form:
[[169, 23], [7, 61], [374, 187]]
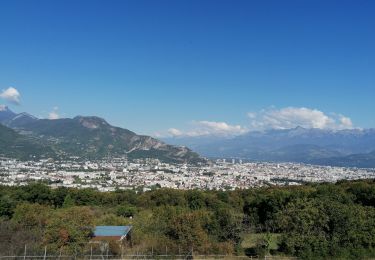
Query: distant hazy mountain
[[13, 120], [294, 145], [6, 114], [93, 137], [366, 160]]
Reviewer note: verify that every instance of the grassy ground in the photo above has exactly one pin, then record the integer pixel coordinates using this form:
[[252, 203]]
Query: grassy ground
[[251, 240]]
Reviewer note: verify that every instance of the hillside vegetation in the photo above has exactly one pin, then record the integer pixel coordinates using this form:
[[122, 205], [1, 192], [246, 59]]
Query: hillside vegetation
[[15, 145]]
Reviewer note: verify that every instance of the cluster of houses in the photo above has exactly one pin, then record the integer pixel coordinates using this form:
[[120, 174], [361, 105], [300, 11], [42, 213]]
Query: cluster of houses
[[119, 173]]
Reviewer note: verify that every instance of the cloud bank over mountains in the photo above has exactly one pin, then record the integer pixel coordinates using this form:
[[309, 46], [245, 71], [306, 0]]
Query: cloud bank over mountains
[[201, 128], [291, 117], [265, 119], [54, 114], [11, 95]]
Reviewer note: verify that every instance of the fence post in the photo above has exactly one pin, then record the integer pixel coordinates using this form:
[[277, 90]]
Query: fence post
[[24, 257], [45, 252]]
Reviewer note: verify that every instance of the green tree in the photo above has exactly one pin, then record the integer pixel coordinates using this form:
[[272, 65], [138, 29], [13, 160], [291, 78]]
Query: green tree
[[6, 206], [195, 199], [70, 229], [31, 215], [68, 201], [126, 211]]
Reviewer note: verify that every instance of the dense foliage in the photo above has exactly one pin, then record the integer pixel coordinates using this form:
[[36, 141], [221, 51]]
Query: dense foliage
[[311, 221]]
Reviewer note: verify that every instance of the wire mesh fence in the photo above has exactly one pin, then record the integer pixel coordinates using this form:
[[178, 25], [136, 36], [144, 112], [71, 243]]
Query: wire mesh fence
[[94, 252], [124, 257], [94, 257], [98, 251], [142, 256]]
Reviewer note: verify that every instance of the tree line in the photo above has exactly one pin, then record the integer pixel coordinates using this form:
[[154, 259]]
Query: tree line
[[311, 221]]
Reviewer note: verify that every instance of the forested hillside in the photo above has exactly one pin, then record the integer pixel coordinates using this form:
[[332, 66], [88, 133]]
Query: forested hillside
[[311, 221], [15, 145], [24, 136]]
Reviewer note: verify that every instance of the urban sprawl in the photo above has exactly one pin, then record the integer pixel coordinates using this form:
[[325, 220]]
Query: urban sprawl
[[146, 174]]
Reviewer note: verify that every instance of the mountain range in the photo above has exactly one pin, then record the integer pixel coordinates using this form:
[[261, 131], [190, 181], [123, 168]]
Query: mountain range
[[350, 147], [24, 136]]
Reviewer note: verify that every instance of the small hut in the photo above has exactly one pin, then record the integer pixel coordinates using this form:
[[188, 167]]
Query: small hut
[[112, 236], [117, 233]]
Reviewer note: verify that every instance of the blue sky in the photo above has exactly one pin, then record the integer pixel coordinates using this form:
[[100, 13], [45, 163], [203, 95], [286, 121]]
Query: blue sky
[[150, 66]]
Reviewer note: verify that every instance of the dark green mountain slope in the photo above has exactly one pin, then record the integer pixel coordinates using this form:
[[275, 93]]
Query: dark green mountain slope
[[93, 137], [15, 145]]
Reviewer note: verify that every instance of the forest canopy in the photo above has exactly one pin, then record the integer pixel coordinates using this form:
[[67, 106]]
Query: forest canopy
[[310, 221]]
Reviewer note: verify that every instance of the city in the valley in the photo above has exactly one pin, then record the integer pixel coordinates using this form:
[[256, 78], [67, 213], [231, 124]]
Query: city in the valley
[[146, 174]]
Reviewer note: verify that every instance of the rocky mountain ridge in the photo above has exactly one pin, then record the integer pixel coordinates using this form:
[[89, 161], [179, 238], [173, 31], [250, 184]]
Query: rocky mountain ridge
[[93, 137]]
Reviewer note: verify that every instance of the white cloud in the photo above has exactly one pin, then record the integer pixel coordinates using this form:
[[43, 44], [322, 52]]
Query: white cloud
[[252, 115], [220, 128], [11, 94], [271, 118], [291, 117], [346, 122], [202, 128], [174, 132], [54, 114]]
